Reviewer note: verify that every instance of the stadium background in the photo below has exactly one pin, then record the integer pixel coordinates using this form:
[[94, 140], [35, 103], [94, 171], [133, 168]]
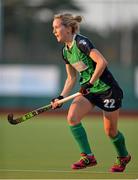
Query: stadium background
[[31, 71]]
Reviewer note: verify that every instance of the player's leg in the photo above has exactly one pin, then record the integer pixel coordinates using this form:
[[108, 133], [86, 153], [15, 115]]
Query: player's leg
[[78, 109], [118, 140], [110, 123]]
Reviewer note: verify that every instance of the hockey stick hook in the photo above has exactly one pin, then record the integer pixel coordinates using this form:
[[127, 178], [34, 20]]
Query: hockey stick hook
[[11, 120]]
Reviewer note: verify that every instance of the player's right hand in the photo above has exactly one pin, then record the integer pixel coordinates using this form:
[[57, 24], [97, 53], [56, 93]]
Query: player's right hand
[[54, 102], [85, 88]]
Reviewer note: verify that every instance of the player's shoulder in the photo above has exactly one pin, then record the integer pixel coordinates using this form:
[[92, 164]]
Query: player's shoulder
[[83, 43], [81, 39], [64, 54], [64, 49]]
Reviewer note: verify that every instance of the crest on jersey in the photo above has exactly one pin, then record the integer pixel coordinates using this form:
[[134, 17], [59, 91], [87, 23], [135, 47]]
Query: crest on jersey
[[82, 42]]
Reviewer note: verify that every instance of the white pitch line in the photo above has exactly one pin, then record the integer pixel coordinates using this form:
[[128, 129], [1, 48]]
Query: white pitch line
[[49, 171], [58, 171]]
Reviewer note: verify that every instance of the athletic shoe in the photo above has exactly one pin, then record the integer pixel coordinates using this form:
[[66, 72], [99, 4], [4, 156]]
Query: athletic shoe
[[85, 161], [120, 164]]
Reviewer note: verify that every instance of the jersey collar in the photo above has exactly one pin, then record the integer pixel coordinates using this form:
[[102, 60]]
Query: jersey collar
[[66, 47]]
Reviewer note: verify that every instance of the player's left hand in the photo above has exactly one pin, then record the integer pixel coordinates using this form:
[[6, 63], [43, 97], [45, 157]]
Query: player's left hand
[[85, 88]]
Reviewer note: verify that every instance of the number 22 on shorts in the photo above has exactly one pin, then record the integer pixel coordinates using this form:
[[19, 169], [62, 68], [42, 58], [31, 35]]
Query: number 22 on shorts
[[109, 103]]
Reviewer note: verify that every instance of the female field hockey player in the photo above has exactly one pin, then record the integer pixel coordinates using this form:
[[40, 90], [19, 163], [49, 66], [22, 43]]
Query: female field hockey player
[[98, 88]]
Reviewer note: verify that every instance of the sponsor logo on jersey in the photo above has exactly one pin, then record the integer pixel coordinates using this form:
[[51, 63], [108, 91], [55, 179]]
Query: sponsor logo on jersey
[[80, 66]]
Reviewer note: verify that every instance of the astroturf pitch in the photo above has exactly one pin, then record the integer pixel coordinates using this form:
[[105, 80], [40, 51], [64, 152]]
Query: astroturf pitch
[[43, 148]]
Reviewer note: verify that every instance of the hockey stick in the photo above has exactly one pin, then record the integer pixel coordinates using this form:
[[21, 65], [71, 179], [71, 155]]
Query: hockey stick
[[38, 111]]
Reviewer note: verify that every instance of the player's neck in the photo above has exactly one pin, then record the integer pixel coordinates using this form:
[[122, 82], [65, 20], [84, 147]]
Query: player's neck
[[70, 41]]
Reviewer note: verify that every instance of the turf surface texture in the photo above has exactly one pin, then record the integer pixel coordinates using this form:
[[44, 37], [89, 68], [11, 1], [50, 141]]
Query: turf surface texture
[[43, 148]]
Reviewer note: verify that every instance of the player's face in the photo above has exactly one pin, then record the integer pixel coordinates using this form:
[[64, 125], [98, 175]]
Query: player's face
[[60, 31]]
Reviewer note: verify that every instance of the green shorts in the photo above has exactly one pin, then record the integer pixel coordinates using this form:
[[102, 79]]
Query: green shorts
[[109, 100]]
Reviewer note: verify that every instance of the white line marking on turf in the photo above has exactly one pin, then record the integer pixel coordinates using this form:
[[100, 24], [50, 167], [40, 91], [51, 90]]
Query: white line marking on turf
[[49, 171], [59, 171]]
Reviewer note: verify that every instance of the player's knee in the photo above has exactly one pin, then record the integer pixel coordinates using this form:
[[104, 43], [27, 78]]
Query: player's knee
[[72, 119]]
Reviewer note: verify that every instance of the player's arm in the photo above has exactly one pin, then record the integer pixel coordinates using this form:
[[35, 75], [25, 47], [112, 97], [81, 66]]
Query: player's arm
[[101, 64], [70, 81], [87, 47], [69, 84]]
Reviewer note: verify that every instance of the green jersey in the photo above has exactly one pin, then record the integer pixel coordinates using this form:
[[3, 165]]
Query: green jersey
[[78, 57]]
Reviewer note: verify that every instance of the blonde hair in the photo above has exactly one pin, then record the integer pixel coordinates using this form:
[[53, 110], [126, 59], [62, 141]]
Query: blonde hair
[[70, 20]]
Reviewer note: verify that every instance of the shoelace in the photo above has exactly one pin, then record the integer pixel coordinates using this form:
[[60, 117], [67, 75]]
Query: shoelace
[[84, 159], [120, 162], [117, 162]]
